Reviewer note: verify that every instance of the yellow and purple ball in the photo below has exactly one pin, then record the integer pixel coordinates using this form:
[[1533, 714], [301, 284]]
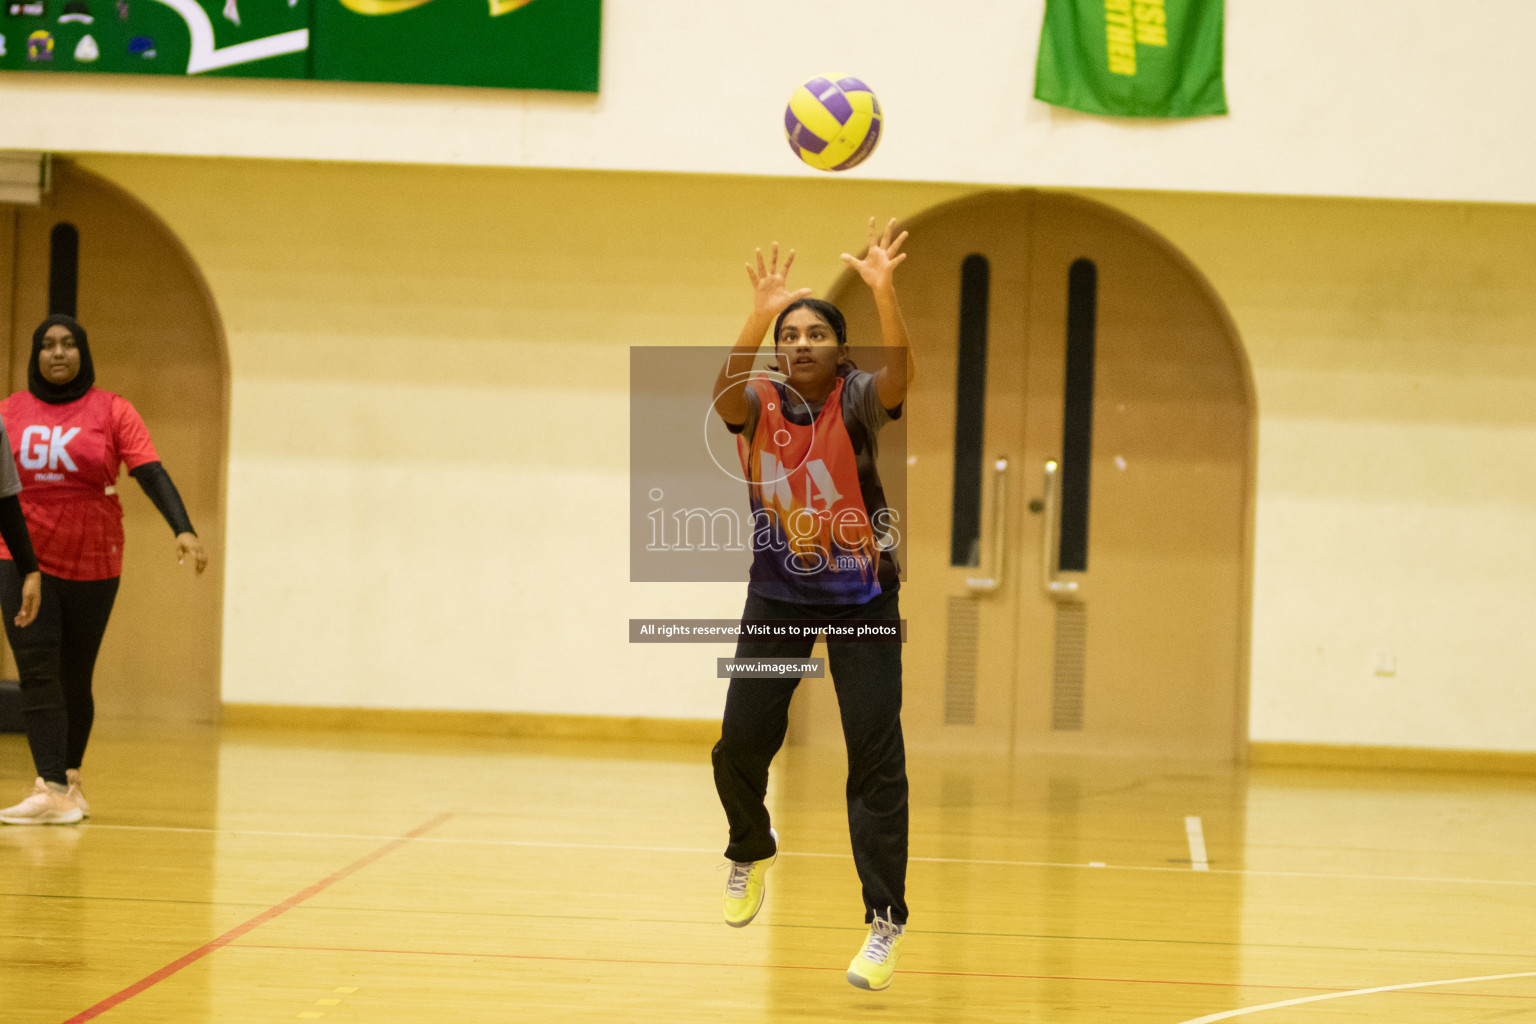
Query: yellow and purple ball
[[833, 123]]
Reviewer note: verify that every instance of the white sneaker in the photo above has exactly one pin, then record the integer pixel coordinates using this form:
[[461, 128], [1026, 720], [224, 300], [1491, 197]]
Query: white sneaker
[[76, 793], [49, 804]]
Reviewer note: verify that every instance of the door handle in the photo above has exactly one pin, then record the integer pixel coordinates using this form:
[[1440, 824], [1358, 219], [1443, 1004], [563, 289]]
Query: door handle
[[997, 546], [1058, 589]]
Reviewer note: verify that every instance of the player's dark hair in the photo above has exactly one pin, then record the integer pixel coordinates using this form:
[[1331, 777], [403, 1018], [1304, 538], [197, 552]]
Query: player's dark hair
[[822, 308]]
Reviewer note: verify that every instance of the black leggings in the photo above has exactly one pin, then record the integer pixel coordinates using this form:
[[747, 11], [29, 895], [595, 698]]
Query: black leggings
[[55, 657], [867, 677]]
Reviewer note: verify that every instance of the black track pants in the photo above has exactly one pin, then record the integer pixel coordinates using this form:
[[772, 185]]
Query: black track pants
[[55, 657], [867, 677]]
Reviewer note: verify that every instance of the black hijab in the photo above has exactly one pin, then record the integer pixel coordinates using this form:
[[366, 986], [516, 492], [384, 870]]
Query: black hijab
[[42, 387]]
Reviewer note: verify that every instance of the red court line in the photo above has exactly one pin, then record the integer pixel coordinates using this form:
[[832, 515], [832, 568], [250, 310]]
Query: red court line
[[117, 999], [840, 970]]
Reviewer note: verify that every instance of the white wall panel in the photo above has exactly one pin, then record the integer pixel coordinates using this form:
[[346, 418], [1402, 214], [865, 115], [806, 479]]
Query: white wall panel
[[1375, 98]]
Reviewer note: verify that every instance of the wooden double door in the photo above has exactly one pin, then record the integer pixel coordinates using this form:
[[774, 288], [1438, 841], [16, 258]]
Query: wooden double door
[[1077, 464], [93, 251]]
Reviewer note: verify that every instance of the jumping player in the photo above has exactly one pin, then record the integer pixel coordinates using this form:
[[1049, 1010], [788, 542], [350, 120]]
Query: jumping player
[[820, 553], [69, 439]]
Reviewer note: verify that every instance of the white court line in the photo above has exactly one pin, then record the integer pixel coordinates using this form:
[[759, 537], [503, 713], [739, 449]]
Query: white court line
[[1196, 836], [632, 848], [625, 847], [1229, 1014]]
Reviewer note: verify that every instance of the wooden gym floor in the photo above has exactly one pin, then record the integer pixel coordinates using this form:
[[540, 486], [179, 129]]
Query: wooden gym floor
[[275, 876]]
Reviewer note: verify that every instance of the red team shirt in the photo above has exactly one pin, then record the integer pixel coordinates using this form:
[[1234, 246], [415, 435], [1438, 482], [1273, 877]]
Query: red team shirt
[[68, 457]]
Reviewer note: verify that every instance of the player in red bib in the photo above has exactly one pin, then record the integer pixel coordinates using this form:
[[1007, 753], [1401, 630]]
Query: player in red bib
[[69, 440], [821, 553]]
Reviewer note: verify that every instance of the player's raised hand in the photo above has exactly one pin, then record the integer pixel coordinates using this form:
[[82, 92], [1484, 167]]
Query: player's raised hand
[[878, 267], [770, 283]]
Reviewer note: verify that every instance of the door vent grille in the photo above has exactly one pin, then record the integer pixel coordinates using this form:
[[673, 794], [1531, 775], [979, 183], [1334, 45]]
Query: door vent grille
[[960, 662], [1071, 661]]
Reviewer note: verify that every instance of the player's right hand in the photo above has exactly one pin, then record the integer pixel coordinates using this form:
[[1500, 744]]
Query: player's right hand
[[31, 598], [770, 288]]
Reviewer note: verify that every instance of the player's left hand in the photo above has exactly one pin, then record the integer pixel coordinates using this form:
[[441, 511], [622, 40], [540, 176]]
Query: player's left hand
[[878, 267], [188, 544], [31, 598]]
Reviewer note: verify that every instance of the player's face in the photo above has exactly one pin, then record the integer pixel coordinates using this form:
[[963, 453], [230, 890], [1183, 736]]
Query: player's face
[[59, 359], [809, 345]]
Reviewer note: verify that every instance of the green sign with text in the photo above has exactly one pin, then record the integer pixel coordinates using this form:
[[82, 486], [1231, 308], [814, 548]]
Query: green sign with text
[[1132, 58], [510, 44]]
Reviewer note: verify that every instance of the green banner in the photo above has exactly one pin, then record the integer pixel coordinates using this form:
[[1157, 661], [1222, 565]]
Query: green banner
[[527, 44], [1132, 58], [513, 44]]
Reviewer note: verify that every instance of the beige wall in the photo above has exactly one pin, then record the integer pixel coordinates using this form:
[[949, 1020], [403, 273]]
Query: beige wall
[[1402, 98], [429, 418], [429, 431], [1394, 351]]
